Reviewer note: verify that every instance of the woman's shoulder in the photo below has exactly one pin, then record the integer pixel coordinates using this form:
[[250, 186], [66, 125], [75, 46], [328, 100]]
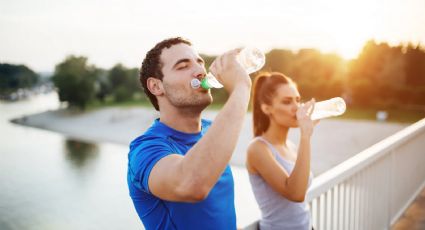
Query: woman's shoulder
[[255, 144], [257, 151], [257, 148]]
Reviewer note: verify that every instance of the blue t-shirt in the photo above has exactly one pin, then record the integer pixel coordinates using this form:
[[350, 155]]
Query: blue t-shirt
[[217, 211]]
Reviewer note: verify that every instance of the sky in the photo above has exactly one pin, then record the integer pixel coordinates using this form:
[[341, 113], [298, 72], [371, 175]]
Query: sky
[[41, 33]]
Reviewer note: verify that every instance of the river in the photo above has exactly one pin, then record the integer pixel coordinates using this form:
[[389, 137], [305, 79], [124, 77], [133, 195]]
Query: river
[[51, 182]]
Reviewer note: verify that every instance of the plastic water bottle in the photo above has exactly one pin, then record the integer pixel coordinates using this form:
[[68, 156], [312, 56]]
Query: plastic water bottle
[[329, 108], [251, 59]]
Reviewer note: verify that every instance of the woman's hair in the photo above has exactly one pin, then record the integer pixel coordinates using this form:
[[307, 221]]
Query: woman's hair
[[264, 88]]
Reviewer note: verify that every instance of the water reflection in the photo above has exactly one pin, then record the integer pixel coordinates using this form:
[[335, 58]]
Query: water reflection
[[79, 153], [50, 182]]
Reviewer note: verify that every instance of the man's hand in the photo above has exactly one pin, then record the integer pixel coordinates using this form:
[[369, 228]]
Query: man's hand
[[229, 72]]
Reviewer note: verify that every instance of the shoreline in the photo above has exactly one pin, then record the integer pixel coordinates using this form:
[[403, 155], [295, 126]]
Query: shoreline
[[333, 141]]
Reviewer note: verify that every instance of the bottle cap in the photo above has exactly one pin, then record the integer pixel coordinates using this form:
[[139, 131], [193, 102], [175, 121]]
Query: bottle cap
[[195, 83]]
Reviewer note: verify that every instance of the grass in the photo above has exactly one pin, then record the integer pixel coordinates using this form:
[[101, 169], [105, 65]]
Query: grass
[[352, 113], [394, 115], [110, 103], [138, 101]]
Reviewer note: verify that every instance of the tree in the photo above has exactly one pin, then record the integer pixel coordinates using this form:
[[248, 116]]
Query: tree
[[414, 93], [415, 65], [279, 60], [103, 85], [124, 82], [75, 81], [374, 76], [14, 77], [384, 76], [317, 75]]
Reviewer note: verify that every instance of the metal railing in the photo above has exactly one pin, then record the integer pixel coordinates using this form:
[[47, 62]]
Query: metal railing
[[372, 189]]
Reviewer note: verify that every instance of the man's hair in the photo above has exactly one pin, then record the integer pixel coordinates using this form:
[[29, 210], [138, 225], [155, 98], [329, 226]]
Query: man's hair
[[152, 65]]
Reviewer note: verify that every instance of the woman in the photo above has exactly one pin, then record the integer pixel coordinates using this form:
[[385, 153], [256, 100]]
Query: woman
[[279, 174]]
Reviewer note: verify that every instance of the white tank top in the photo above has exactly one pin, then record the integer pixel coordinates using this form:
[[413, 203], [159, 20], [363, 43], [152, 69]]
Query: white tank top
[[277, 212]]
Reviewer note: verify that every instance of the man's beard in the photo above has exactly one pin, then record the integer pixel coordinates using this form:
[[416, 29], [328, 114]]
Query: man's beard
[[195, 102]]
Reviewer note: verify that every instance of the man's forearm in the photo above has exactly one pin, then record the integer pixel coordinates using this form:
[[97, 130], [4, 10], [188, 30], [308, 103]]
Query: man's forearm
[[207, 159]]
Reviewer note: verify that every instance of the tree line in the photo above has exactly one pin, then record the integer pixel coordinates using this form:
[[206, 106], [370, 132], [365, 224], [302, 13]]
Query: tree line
[[382, 76]]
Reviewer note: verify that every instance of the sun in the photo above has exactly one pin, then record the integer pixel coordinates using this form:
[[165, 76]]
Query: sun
[[347, 29], [350, 46]]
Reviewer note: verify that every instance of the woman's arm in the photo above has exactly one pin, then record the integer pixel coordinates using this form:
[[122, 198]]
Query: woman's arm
[[261, 160]]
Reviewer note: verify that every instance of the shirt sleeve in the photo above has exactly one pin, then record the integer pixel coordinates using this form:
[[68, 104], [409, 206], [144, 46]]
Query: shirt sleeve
[[144, 157]]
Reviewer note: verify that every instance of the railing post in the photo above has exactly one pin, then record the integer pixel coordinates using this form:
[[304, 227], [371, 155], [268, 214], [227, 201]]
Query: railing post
[[335, 208], [341, 206], [315, 213], [391, 186]]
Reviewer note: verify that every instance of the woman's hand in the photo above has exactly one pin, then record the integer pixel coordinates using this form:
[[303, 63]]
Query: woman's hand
[[304, 118]]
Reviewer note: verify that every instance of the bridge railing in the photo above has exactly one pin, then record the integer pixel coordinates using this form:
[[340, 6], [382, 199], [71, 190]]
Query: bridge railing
[[372, 189]]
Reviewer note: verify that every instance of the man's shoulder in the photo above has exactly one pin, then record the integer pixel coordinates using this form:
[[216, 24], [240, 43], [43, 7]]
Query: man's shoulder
[[146, 140], [152, 134], [152, 139]]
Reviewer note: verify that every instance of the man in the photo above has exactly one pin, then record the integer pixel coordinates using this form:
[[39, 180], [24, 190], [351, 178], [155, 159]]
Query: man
[[178, 172]]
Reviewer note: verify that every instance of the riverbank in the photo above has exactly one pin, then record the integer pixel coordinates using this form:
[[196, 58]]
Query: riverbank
[[333, 141]]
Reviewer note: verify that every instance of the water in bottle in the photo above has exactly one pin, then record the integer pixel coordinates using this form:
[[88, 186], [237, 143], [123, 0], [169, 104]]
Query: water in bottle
[[251, 59], [329, 108]]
